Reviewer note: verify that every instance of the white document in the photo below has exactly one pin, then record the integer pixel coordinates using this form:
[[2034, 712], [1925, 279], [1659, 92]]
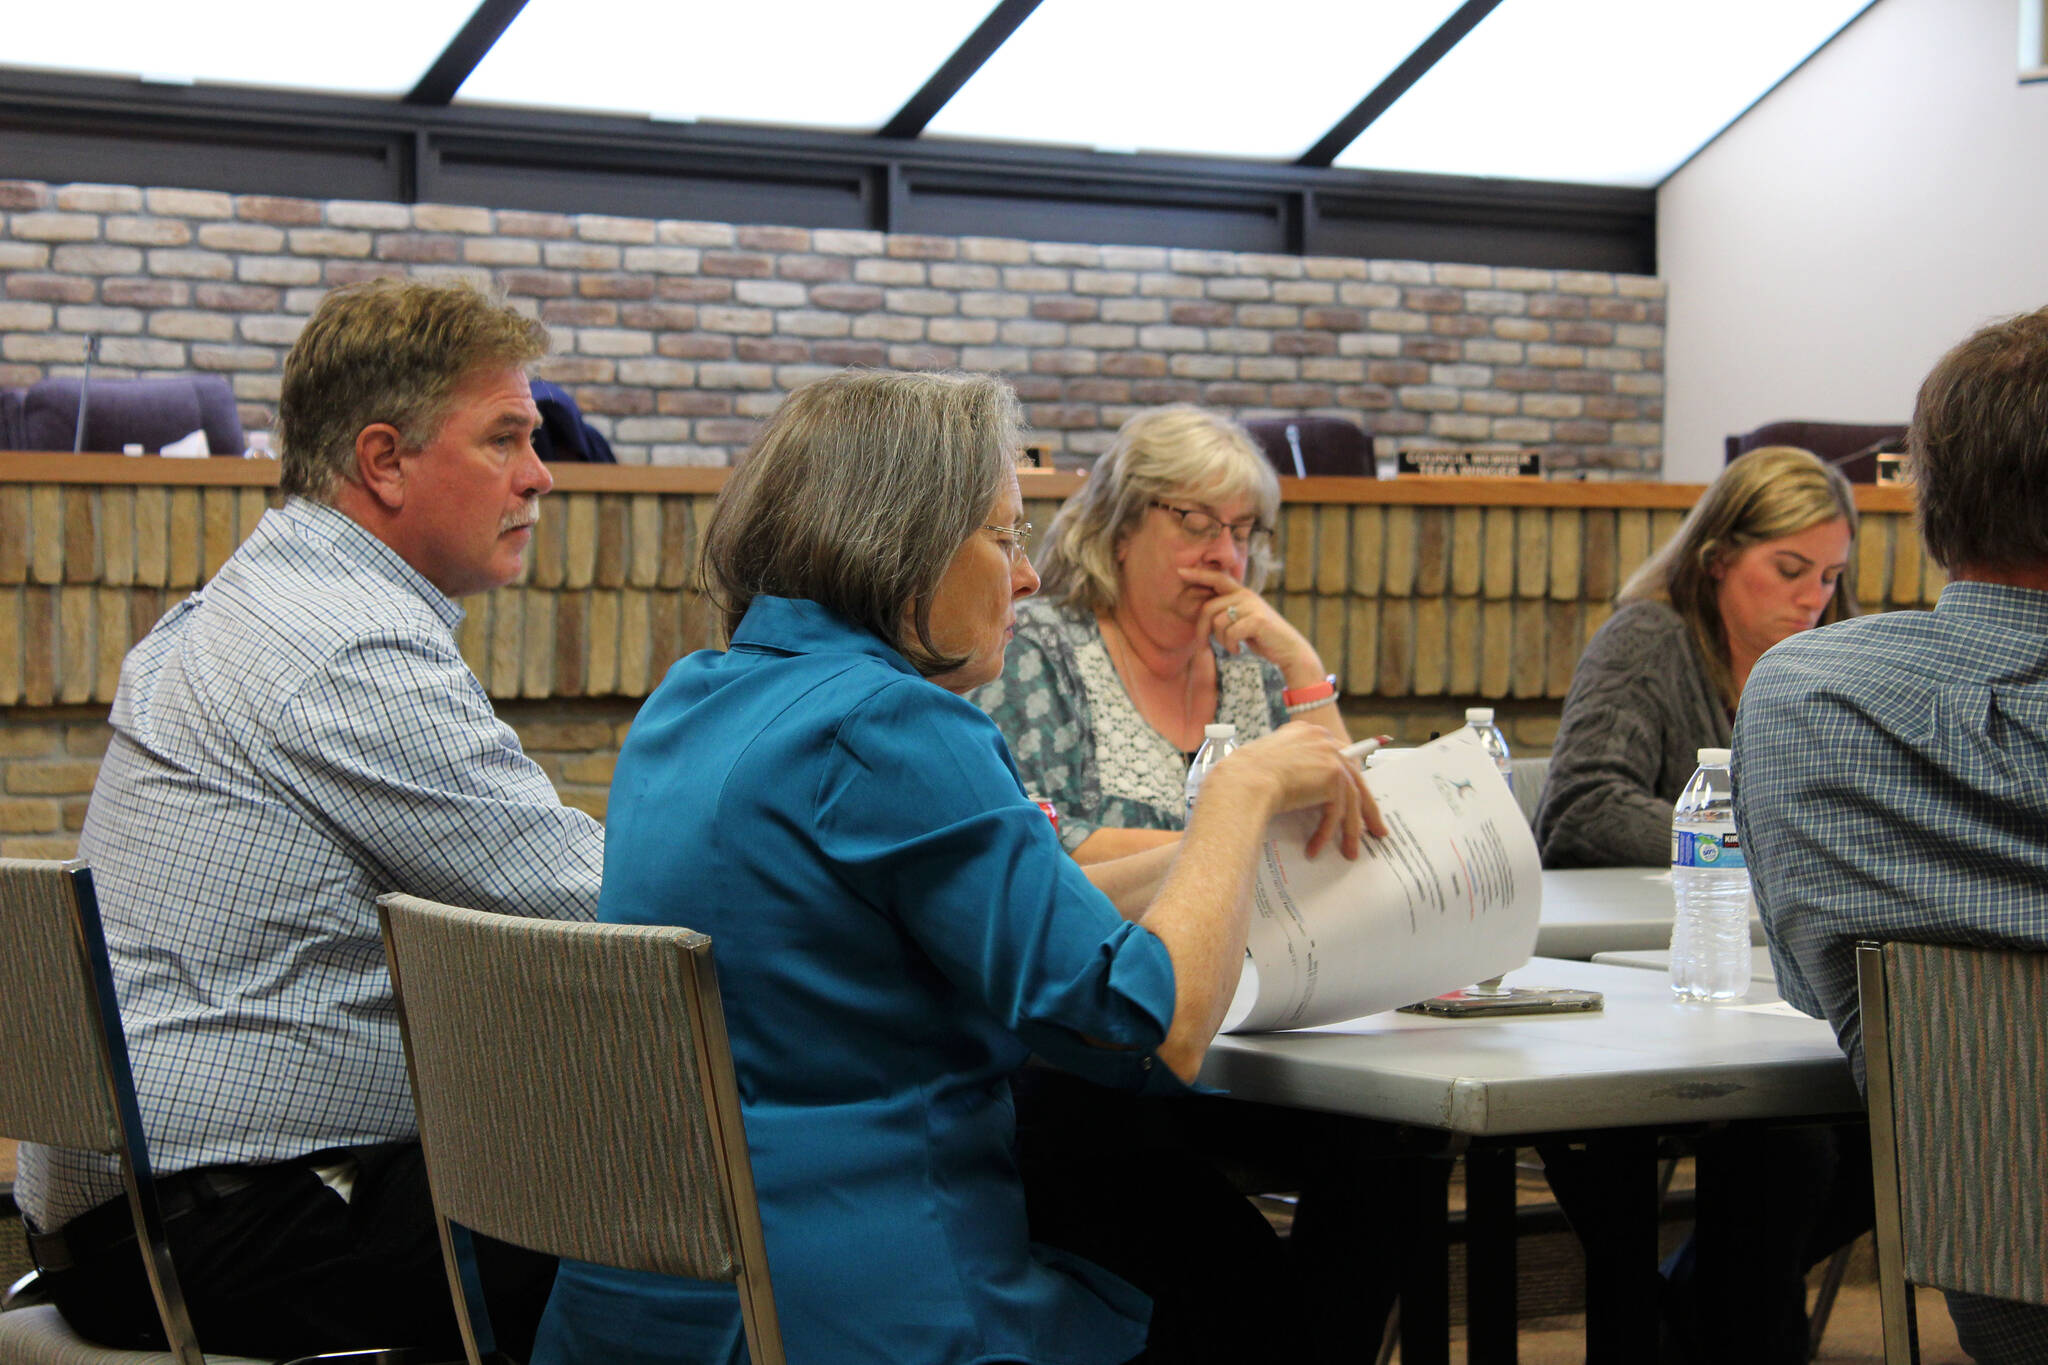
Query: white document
[[191, 444], [1451, 896]]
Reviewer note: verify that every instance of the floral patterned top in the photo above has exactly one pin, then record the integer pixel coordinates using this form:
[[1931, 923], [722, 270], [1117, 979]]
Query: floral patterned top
[[1078, 739]]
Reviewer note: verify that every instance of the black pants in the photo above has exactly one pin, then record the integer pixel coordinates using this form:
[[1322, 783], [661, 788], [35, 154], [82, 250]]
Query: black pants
[[1771, 1203], [286, 1267], [1151, 1189]]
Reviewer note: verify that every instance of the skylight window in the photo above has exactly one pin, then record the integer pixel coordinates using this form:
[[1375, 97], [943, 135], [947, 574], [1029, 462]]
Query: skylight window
[[1212, 77], [791, 62], [374, 47], [1611, 92]]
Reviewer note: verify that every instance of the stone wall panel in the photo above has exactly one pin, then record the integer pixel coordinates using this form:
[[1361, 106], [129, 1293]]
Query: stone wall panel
[[181, 279]]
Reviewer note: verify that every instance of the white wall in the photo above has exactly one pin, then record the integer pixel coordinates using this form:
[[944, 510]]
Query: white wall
[[1881, 204]]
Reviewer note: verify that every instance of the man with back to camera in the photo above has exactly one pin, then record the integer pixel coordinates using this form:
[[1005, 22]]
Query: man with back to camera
[[292, 740], [1889, 769]]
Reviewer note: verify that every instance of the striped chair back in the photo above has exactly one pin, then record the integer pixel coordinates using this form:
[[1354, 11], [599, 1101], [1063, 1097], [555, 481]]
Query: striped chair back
[[66, 1083], [576, 1096], [1955, 1043]]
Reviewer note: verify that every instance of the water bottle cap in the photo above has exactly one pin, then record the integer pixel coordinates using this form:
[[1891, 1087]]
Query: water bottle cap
[[1225, 730], [1715, 758], [1479, 715]]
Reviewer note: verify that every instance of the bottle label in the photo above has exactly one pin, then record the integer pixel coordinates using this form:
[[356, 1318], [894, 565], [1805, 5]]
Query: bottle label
[[1690, 848]]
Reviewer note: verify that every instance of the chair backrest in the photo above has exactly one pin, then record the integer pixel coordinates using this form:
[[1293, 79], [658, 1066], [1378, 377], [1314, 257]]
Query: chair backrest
[[1527, 775], [1850, 446], [1956, 1065], [151, 413], [57, 1086], [12, 435], [1314, 446], [66, 1082], [575, 1094]]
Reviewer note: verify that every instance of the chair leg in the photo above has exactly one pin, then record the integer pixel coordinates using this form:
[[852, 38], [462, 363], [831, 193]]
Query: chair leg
[[1390, 1338], [1824, 1301]]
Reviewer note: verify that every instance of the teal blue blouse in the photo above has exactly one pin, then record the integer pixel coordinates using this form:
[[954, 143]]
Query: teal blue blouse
[[895, 928]]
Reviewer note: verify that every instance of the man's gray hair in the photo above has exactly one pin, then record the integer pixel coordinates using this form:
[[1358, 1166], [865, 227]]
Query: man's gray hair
[[1176, 452], [391, 351], [1978, 449], [857, 495]]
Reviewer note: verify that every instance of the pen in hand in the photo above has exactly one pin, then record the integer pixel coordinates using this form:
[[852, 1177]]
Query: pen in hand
[[1359, 750]]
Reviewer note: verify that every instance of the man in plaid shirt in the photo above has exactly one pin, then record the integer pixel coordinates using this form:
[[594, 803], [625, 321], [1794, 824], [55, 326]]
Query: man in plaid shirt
[[290, 741], [1892, 771]]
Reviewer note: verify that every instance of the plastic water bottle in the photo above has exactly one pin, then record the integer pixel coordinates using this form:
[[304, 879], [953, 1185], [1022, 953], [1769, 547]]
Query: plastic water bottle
[[1710, 934], [1480, 718], [1218, 741]]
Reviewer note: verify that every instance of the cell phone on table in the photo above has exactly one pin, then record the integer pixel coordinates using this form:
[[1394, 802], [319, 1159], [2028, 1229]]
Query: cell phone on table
[[1467, 1002]]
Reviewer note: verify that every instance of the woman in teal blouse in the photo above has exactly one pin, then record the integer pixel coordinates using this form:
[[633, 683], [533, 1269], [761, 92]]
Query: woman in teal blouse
[[895, 924]]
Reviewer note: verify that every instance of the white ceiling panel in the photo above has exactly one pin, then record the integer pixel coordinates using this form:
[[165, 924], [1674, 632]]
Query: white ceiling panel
[[374, 47], [1610, 92], [802, 63], [1211, 77]]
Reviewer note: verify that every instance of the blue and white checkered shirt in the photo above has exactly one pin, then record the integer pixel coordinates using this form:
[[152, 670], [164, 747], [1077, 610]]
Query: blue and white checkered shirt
[[292, 740], [1891, 781]]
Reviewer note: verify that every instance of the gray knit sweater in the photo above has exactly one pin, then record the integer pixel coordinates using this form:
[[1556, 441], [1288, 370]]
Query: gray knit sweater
[[1639, 710]]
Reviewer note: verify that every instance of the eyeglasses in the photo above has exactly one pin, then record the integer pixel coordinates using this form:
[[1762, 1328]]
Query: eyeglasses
[[1200, 525], [1015, 538]]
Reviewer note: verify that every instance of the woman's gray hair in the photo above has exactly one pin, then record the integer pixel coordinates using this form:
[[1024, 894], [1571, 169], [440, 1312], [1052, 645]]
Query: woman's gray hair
[[857, 495], [1770, 492], [1179, 451]]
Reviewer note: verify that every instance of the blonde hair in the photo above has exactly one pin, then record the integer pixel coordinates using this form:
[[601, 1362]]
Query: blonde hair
[[1770, 492], [1175, 451], [390, 351]]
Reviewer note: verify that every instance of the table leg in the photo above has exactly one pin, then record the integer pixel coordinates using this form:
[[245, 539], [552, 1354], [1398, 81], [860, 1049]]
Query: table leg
[[1609, 1191], [1425, 1276], [1491, 1315]]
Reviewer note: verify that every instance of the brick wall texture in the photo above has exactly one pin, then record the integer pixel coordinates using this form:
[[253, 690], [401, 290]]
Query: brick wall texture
[[1421, 610], [677, 338]]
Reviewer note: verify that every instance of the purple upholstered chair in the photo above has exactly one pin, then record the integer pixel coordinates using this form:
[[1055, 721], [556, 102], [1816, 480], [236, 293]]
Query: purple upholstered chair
[[1303, 446], [1849, 446], [150, 413]]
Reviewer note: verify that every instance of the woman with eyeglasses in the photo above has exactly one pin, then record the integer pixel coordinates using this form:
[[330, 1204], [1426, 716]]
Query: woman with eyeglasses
[[894, 923], [1149, 626]]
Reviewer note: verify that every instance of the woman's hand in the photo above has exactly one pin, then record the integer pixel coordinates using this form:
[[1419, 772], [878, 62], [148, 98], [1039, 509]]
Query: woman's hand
[[1236, 616], [1305, 767]]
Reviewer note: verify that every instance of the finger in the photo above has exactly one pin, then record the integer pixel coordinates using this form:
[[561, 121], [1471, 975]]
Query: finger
[[1354, 822], [1208, 578], [1369, 811], [1330, 823]]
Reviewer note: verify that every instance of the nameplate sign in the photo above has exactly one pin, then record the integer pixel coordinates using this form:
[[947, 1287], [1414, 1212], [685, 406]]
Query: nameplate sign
[[1490, 464]]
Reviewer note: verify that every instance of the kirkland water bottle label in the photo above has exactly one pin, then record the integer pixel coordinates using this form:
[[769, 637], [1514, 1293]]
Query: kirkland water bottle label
[[1692, 849]]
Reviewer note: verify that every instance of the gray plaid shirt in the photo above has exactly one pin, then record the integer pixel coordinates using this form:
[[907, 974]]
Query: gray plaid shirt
[[289, 742], [1891, 781]]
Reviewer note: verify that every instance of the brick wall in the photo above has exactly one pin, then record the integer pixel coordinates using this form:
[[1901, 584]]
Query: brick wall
[[678, 337], [49, 756], [1422, 602]]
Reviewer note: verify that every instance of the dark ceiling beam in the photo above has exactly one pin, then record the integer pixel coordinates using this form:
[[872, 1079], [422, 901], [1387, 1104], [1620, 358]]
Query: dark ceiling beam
[[1396, 84], [61, 127], [464, 51], [958, 69]]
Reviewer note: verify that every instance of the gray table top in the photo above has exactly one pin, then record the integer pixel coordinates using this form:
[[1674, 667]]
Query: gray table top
[[1588, 910], [1646, 1059], [1764, 982]]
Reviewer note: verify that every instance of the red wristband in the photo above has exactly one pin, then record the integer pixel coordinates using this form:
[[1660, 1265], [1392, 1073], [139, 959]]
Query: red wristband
[[1314, 692]]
